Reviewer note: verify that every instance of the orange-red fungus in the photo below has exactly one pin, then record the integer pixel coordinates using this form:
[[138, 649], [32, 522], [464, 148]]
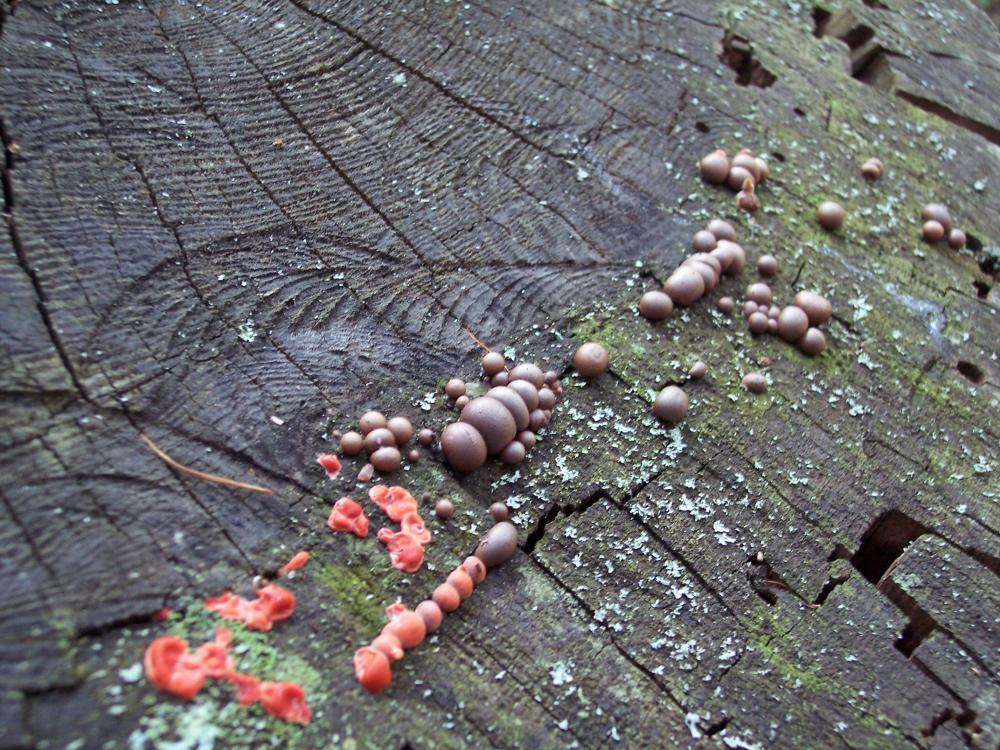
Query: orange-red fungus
[[172, 668], [348, 515], [408, 627], [273, 604], [395, 502], [405, 552], [330, 464], [371, 667], [286, 700], [298, 560], [413, 525]]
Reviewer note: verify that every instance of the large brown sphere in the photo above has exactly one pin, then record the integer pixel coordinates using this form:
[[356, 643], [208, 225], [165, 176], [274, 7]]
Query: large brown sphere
[[655, 305], [463, 447], [493, 362], [817, 307], [830, 215], [514, 403], [493, 421], [737, 176], [401, 428], [759, 293], [813, 342], [513, 453], [755, 382], [792, 323], [767, 265], [499, 544], [455, 388], [386, 459], [351, 443], [379, 438], [704, 241], [731, 255], [722, 230], [714, 168], [590, 360], [527, 371], [707, 271], [685, 286], [527, 392], [671, 404], [757, 322], [371, 420], [932, 230]]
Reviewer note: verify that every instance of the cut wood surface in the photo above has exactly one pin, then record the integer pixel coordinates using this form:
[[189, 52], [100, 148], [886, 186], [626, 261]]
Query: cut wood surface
[[234, 227]]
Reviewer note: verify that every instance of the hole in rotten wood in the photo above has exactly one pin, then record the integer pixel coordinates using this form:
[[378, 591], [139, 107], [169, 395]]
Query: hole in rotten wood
[[982, 289], [914, 632], [701, 127], [778, 155], [884, 542], [799, 111], [717, 726], [970, 371], [820, 19], [988, 132], [737, 53]]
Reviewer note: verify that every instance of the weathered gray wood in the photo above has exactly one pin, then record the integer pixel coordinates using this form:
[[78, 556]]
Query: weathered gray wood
[[222, 213]]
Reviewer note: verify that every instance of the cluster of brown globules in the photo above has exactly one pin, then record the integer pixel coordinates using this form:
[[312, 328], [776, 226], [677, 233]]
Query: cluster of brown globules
[[937, 225], [505, 420], [744, 172], [407, 629], [382, 439]]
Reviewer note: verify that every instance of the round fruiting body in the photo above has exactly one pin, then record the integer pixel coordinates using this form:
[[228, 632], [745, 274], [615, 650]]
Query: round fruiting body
[[755, 382], [492, 420], [454, 388], [932, 231], [714, 168], [529, 372], [514, 403], [830, 215], [792, 323], [499, 544], [493, 362], [956, 239], [817, 307], [759, 293], [444, 509], [498, 511], [813, 342], [722, 230], [767, 265], [351, 443], [685, 286], [937, 212], [463, 447], [757, 322], [379, 438], [589, 361], [386, 459], [671, 404], [655, 305], [704, 241]]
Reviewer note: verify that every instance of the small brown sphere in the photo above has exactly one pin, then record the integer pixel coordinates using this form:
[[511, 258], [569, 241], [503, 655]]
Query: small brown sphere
[[378, 438], [401, 428], [464, 448], [937, 212], [755, 382], [704, 241], [426, 437], [475, 568], [546, 400], [455, 388], [698, 370], [513, 453], [461, 402], [872, 169], [413, 456], [932, 231], [830, 215], [722, 230], [757, 322], [501, 378], [714, 168], [351, 443], [772, 325], [431, 614], [371, 420], [738, 176], [671, 404], [813, 342], [956, 238], [499, 544], [493, 362], [537, 420], [759, 293], [749, 308], [551, 376], [444, 509], [589, 361], [492, 420], [527, 439], [386, 459], [461, 581], [655, 305], [817, 307], [774, 312], [725, 305], [747, 199], [685, 286], [792, 323], [708, 259], [527, 392], [529, 372], [498, 511], [767, 265], [514, 403]]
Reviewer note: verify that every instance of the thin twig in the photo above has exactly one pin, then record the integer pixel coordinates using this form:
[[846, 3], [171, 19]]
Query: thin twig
[[776, 583], [473, 336], [214, 478]]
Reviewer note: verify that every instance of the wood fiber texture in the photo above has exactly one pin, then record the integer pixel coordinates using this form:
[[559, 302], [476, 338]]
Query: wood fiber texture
[[233, 227]]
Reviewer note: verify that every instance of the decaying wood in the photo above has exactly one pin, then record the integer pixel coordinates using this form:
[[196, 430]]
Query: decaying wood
[[222, 213]]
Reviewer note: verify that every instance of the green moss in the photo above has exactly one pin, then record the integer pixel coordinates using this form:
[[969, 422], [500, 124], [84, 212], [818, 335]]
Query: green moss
[[356, 593]]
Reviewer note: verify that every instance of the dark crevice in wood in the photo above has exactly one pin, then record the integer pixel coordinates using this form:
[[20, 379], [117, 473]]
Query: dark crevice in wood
[[832, 583], [717, 726], [737, 54], [884, 542], [982, 289], [537, 533], [988, 132], [970, 371]]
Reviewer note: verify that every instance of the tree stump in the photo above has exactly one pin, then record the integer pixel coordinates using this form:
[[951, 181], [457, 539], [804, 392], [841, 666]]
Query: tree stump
[[232, 228]]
